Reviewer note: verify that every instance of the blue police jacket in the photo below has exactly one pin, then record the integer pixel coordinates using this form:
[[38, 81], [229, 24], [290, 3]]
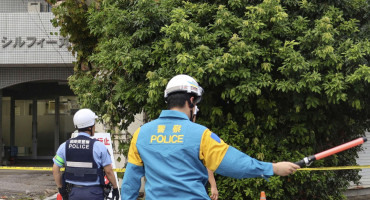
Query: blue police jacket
[[174, 153], [83, 158]]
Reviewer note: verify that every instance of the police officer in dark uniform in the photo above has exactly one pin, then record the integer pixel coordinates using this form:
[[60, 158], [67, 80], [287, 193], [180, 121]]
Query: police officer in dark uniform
[[84, 159]]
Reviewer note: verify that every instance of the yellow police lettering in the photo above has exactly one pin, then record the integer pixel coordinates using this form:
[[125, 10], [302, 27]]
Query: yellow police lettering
[[172, 137], [167, 139], [154, 137], [180, 138], [160, 140]]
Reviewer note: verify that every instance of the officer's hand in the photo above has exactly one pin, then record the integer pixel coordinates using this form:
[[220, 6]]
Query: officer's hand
[[284, 168], [214, 193], [115, 194], [63, 192]]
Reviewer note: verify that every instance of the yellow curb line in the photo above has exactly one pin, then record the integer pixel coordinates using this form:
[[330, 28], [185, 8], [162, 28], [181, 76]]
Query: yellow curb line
[[123, 170], [46, 169]]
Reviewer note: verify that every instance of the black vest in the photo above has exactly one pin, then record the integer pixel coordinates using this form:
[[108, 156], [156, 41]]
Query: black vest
[[80, 163]]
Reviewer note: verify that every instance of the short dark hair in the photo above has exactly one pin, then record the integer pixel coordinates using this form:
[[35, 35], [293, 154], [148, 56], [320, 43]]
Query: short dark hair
[[178, 99], [86, 129]]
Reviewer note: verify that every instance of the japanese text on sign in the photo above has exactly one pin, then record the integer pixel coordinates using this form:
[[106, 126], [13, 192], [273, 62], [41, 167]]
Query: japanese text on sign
[[28, 42], [105, 141]]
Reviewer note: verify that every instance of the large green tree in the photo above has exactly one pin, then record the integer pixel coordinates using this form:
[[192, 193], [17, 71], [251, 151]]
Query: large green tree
[[282, 79]]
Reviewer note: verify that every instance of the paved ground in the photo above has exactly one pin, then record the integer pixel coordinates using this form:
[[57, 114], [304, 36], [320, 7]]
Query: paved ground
[[358, 194], [27, 185]]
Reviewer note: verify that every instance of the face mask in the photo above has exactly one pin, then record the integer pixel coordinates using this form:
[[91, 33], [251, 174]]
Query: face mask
[[194, 113], [196, 110]]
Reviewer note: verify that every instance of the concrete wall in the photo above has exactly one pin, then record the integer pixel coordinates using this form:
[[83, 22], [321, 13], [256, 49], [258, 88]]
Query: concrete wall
[[21, 6], [364, 159], [131, 129]]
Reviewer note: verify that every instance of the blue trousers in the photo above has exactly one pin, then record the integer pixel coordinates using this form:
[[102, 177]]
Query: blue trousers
[[87, 193]]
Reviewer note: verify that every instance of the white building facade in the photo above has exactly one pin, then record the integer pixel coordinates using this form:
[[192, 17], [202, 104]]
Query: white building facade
[[36, 103]]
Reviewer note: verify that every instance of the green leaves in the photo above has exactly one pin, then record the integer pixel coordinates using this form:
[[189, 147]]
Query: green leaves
[[275, 73], [361, 74]]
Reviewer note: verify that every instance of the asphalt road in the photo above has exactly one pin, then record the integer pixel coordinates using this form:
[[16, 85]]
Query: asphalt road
[[19, 184]]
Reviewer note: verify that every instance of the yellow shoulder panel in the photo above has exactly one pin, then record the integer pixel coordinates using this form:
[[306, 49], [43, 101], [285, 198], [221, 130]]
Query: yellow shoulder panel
[[212, 150], [133, 154]]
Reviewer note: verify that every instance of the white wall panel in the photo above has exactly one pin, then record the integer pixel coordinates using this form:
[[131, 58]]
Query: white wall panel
[[364, 159]]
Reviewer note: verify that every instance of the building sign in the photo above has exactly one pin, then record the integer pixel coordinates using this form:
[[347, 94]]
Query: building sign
[[29, 42], [31, 39]]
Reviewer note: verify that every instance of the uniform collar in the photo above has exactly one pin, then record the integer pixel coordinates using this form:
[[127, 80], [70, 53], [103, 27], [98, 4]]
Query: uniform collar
[[83, 134], [173, 113]]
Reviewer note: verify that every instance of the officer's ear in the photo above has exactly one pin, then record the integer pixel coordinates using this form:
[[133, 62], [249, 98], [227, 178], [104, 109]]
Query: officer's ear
[[192, 99], [90, 128], [191, 102]]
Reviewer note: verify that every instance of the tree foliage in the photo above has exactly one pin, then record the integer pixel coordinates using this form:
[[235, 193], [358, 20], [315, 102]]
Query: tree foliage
[[282, 79]]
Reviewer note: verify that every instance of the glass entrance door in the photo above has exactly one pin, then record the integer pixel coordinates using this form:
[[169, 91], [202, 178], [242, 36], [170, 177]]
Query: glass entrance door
[[54, 123], [39, 128], [46, 124], [22, 127]]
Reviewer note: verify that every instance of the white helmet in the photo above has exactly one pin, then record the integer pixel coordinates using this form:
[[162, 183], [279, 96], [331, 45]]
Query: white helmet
[[84, 118], [184, 83]]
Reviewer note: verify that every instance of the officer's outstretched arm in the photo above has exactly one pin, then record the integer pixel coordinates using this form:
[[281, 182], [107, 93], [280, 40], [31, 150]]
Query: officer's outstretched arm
[[228, 161], [134, 171], [285, 168], [237, 164]]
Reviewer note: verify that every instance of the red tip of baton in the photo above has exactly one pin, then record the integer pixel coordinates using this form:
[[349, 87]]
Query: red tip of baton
[[340, 148]]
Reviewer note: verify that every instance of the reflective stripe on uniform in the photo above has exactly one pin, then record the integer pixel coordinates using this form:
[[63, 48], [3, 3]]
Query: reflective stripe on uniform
[[79, 164], [59, 160]]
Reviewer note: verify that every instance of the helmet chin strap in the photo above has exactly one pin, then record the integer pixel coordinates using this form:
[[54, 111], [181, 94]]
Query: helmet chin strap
[[191, 106], [191, 116]]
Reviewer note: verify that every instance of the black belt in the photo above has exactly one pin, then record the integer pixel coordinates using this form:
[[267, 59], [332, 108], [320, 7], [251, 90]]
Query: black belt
[[81, 186]]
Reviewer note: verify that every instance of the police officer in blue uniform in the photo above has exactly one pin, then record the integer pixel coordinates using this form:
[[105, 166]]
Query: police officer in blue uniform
[[173, 153], [84, 159]]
